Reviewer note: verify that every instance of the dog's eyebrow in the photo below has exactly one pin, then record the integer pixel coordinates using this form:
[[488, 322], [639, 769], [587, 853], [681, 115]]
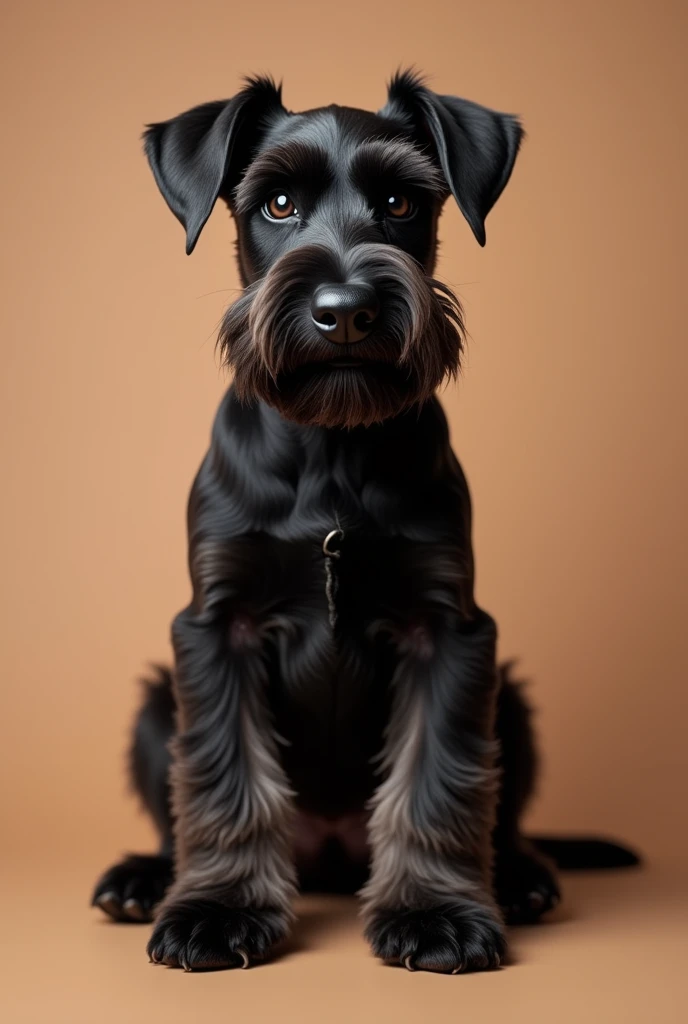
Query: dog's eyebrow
[[291, 162], [382, 159]]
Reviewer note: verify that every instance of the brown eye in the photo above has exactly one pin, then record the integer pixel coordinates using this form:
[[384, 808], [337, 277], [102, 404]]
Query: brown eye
[[280, 207], [398, 206]]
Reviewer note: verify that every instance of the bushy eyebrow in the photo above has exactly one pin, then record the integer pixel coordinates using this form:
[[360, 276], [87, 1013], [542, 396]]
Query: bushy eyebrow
[[386, 160], [286, 164]]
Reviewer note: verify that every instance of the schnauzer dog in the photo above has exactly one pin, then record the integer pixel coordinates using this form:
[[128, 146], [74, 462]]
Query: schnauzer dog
[[336, 718]]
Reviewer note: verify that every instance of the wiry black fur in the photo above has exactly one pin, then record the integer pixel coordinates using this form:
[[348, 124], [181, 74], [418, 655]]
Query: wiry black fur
[[379, 711]]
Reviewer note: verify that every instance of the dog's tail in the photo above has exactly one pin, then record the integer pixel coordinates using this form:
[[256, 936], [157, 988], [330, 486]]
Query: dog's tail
[[585, 853]]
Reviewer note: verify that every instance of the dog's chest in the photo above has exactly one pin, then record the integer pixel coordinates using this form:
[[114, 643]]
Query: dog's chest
[[331, 687], [332, 617]]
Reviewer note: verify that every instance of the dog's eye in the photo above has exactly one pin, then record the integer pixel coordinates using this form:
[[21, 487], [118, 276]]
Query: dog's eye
[[279, 207], [398, 206]]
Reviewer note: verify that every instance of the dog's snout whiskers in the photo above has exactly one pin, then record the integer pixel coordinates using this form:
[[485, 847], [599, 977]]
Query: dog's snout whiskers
[[399, 334]]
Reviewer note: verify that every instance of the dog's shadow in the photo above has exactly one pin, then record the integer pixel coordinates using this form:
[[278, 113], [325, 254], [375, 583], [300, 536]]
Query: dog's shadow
[[317, 916], [593, 898]]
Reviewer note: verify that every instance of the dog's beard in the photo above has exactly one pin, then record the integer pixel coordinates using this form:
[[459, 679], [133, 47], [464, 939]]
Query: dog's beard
[[270, 342]]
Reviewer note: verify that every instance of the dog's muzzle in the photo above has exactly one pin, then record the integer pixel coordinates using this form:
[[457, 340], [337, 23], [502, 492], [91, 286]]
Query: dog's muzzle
[[343, 339]]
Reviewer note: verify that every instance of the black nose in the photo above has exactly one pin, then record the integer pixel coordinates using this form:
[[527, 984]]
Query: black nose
[[344, 313]]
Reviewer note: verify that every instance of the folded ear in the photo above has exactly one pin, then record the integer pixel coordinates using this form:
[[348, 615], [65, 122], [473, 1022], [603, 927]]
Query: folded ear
[[201, 153], [476, 147]]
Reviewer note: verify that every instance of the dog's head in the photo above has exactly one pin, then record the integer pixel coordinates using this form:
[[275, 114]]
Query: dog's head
[[341, 322]]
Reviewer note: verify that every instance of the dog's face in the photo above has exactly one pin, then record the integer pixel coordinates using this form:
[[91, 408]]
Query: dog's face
[[340, 322]]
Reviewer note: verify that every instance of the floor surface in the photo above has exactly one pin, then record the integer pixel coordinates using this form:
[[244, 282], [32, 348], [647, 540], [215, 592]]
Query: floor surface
[[615, 950]]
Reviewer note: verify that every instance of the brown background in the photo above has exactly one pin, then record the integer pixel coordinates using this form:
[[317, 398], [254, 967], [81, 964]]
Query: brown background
[[570, 421]]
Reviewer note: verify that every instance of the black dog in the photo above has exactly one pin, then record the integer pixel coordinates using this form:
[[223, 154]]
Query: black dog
[[336, 716]]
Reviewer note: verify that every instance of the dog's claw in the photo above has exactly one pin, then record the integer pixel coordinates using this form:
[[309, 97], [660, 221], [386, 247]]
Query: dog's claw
[[244, 956], [408, 964], [134, 910], [109, 903], [536, 901]]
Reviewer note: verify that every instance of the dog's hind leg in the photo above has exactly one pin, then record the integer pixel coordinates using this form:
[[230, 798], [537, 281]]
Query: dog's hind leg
[[130, 889], [525, 881]]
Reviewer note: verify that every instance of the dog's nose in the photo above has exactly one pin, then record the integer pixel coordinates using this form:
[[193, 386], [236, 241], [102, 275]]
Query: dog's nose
[[344, 313]]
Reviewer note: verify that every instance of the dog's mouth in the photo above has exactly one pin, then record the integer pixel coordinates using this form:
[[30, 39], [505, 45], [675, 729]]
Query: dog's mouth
[[318, 366], [344, 372], [345, 364]]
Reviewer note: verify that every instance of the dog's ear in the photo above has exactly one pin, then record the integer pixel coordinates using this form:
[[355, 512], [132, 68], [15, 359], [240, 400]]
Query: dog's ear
[[476, 147], [200, 153]]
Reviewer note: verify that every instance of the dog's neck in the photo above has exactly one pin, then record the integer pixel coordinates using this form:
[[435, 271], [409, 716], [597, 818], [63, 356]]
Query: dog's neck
[[412, 439], [311, 478]]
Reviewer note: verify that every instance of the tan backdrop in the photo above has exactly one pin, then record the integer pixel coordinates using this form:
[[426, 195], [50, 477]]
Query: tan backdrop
[[570, 419]]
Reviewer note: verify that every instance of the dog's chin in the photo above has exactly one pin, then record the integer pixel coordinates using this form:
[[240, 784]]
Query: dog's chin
[[343, 393]]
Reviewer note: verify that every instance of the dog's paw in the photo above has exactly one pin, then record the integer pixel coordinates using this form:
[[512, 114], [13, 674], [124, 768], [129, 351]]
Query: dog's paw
[[452, 938], [130, 890], [200, 934], [526, 886]]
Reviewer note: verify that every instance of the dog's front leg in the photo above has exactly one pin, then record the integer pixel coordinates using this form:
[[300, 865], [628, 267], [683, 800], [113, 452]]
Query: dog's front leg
[[428, 903], [231, 899]]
